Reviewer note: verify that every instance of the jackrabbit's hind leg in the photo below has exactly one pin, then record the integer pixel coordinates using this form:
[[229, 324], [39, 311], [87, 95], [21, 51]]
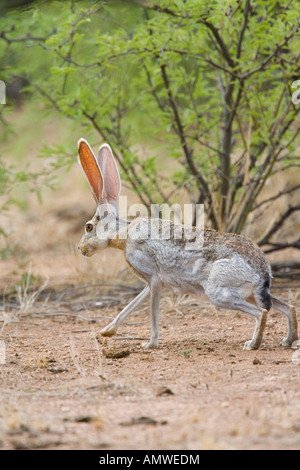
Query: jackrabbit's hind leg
[[111, 329], [261, 321], [290, 313], [260, 315], [229, 298]]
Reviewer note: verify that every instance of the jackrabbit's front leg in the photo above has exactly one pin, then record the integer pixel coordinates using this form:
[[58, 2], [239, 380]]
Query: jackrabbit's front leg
[[155, 288], [111, 329]]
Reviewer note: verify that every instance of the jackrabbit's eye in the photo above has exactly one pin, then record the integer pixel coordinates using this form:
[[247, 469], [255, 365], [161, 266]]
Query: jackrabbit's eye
[[89, 227]]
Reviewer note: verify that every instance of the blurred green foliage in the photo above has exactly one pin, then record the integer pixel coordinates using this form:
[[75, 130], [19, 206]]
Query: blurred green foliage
[[192, 96]]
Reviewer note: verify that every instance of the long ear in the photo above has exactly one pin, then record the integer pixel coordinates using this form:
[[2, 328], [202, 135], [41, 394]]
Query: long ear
[[92, 171], [111, 176]]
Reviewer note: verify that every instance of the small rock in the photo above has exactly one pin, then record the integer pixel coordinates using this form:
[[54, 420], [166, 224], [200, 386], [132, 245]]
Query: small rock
[[164, 391], [57, 370], [111, 353], [256, 361], [84, 419], [142, 420]]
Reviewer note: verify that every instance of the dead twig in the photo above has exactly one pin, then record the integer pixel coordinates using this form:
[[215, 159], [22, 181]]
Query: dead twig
[[266, 239], [67, 314], [131, 289]]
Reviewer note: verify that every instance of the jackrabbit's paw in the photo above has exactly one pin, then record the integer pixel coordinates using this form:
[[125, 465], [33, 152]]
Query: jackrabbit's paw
[[150, 344], [288, 342], [108, 331], [250, 345]]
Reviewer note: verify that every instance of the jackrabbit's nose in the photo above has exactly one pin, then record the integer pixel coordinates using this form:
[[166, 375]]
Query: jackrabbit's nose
[[83, 250]]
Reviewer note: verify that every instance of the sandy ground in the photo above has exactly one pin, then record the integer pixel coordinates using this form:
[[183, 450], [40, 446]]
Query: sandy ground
[[63, 387]]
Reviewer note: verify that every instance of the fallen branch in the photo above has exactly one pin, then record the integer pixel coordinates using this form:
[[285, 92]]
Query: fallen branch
[[289, 270], [131, 289], [54, 314], [130, 337], [276, 227]]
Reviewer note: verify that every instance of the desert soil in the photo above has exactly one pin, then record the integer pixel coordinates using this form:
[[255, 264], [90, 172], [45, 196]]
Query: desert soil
[[64, 387]]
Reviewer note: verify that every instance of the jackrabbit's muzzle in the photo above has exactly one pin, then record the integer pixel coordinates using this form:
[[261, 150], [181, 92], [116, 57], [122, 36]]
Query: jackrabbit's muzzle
[[86, 249]]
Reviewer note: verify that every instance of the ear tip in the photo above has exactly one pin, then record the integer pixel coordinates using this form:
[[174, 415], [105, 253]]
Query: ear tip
[[105, 145], [82, 141]]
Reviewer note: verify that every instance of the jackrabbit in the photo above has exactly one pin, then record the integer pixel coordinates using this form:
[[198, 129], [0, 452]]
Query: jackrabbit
[[229, 268]]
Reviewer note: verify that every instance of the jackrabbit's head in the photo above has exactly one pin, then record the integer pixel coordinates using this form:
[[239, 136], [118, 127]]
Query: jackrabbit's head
[[104, 180]]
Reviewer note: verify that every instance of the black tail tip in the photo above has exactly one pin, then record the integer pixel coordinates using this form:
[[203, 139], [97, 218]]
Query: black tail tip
[[264, 294]]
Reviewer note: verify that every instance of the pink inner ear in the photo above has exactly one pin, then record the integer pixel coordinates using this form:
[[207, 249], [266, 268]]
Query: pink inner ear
[[110, 172], [91, 169]]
